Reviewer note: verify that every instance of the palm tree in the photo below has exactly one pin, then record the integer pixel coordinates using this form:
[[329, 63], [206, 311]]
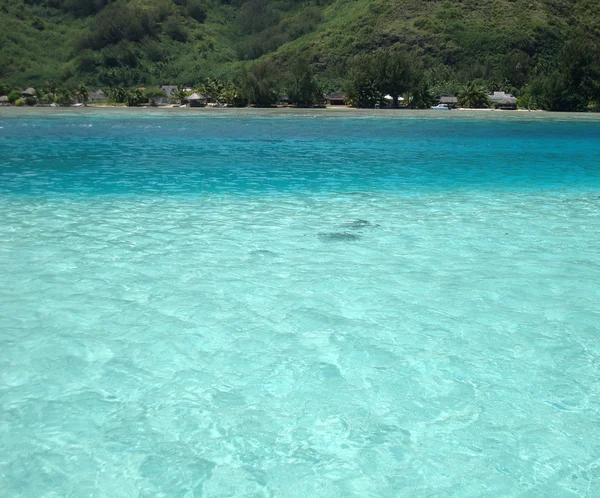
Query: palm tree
[[51, 90], [232, 95], [180, 94], [117, 94], [82, 94], [212, 89], [473, 95]]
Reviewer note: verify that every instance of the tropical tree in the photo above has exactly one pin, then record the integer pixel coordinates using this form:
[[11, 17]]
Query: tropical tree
[[135, 97], [571, 83], [396, 73], [117, 94], [180, 94], [421, 97], [82, 93], [514, 68], [258, 84], [152, 93], [301, 85], [579, 65], [196, 9], [14, 96], [175, 28], [473, 95], [232, 95], [51, 90], [363, 88], [31, 100], [63, 96], [551, 92], [41, 95], [212, 89]]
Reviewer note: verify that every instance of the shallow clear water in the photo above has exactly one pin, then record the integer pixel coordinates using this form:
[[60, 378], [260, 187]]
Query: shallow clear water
[[236, 305]]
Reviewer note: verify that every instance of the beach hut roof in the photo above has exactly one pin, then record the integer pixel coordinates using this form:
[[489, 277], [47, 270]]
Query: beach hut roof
[[503, 98], [28, 91], [169, 89], [336, 95], [448, 99], [195, 96], [97, 94], [3, 98]]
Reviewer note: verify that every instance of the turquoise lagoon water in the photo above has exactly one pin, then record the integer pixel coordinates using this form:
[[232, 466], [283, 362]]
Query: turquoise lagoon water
[[203, 304]]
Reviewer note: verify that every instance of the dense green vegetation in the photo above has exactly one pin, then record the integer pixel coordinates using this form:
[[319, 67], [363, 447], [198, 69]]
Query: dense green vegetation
[[546, 52]]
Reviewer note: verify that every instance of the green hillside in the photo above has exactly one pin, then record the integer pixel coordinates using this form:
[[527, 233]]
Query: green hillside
[[503, 43]]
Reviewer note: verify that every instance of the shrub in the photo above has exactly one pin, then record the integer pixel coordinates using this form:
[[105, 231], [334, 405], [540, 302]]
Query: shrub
[[116, 23], [38, 24], [85, 7], [117, 94], [14, 96], [135, 97], [256, 15], [196, 10], [153, 93], [63, 96], [19, 102], [153, 50], [174, 29], [122, 54]]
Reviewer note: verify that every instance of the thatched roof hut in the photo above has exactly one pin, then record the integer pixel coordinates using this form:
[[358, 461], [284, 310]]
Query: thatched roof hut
[[3, 98], [98, 96], [502, 99], [336, 98], [196, 100], [451, 101], [448, 99], [28, 92]]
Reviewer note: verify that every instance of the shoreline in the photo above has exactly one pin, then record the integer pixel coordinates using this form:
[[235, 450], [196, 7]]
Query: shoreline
[[318, 112]]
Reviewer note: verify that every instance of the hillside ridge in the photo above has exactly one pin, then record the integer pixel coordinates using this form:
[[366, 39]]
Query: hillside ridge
[[103, 43]]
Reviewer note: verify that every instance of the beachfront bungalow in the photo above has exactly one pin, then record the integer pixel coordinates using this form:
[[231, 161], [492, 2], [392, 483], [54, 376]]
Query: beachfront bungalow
[[28, 92], [169, 89], [450, 100], [502, 100], [336, 98], [170, 98], [197, 100], [97, 96], [4, 100]]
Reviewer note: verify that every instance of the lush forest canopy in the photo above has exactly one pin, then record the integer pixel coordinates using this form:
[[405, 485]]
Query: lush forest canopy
[[546, 48]]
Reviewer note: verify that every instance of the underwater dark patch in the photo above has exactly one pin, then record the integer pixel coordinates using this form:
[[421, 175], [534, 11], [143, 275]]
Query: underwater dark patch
[[264, 253], [358, 224], [339, 237]]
